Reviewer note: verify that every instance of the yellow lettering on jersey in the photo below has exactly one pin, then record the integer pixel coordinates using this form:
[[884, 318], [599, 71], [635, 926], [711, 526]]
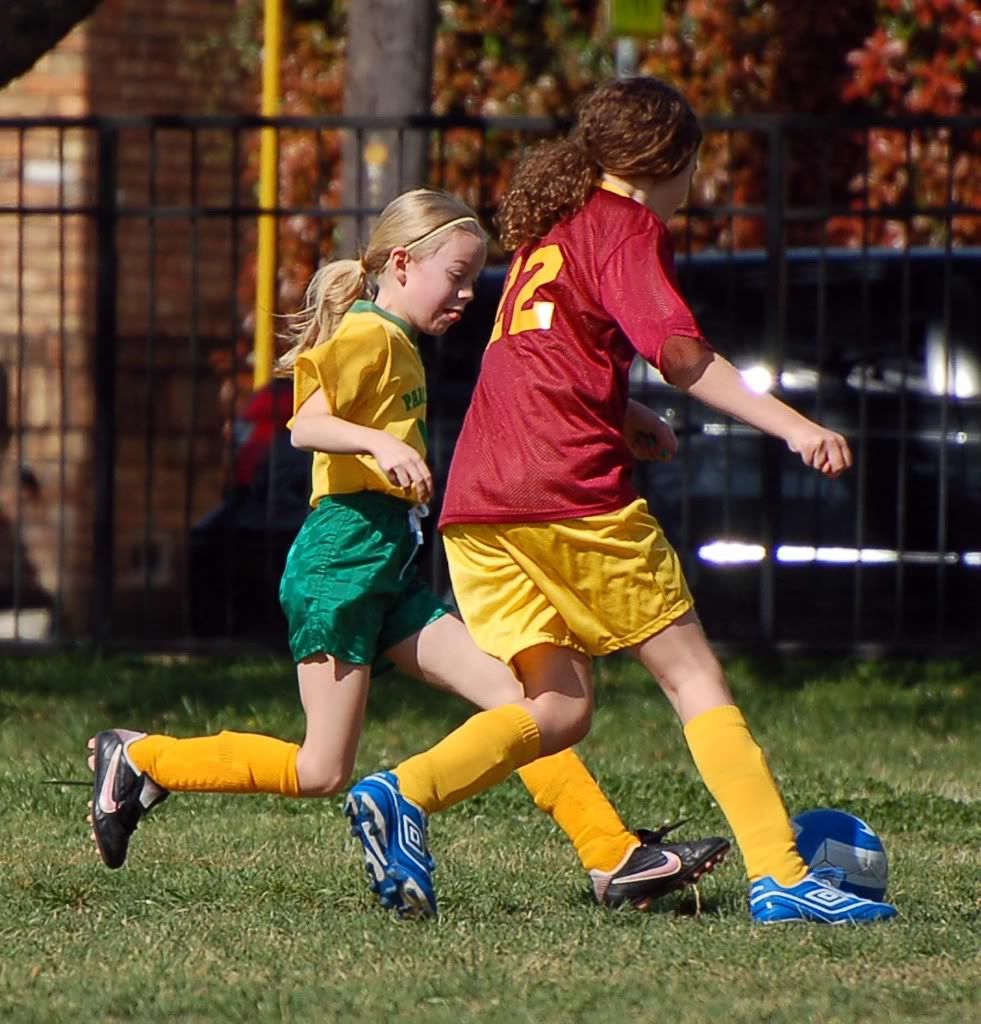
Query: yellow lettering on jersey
[[527, 314], [508, 285]]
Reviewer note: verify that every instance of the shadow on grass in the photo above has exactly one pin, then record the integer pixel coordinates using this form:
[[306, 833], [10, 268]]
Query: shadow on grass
[[939, 696], [788, 672], [683, 903], [147, 687]]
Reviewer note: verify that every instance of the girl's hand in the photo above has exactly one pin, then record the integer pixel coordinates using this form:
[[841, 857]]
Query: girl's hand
[[403, 465], [822, 449], [649, 438]]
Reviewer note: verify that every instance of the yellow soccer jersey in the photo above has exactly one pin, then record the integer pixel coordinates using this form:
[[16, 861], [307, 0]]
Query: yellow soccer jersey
[[370, 373]]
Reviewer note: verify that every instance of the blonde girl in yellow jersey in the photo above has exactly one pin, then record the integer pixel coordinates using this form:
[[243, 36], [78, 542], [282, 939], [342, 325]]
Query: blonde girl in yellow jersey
[[349, 588]]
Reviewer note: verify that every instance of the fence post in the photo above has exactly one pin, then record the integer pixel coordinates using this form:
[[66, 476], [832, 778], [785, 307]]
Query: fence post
[[104, 378], [776, 298]]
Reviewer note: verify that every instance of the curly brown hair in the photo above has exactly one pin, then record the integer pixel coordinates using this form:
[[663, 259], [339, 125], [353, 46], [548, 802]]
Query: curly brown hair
[[630, 127]]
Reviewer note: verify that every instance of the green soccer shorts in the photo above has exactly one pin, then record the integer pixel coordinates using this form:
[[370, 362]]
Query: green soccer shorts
[[349, 588]]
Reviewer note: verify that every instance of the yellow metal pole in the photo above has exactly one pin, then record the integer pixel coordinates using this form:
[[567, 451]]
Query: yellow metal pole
[[265, 290]]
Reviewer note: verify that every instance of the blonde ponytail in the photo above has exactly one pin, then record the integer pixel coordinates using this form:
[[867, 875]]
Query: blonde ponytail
[[421, 221], [332, 290]]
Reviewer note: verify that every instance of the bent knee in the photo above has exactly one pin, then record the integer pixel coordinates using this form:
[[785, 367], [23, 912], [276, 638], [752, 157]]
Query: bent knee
[[324, 786], [563, 722], [322, 778], [578, 727]]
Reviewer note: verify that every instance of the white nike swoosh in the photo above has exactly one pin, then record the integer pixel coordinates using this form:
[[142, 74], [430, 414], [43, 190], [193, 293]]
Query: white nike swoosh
[[671, 866], [107, 799]]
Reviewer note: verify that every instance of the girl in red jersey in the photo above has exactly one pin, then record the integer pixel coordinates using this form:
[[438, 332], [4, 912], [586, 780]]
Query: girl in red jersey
[[553, 555]]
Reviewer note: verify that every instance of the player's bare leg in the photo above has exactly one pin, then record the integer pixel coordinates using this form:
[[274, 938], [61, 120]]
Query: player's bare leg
[[646, 868], [735, 771]]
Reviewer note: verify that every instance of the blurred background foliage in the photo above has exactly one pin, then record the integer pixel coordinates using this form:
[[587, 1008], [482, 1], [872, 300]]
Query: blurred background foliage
[[730, 57]]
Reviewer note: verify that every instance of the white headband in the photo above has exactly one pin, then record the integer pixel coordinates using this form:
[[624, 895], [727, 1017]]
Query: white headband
[[441, 228]]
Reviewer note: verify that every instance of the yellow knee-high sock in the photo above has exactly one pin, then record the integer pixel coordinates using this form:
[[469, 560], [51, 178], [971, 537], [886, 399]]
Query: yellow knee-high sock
[[231, 762], [478, 755], [735, 771], [561, 786]]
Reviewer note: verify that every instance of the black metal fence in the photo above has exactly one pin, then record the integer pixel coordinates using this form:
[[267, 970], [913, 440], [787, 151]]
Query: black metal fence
[[148, 497]]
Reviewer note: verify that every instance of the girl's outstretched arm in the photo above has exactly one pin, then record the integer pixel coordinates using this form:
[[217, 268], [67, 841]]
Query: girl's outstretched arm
[[716, 382]]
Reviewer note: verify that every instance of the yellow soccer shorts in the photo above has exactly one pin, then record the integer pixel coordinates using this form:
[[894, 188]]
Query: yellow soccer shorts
[[596, 584]]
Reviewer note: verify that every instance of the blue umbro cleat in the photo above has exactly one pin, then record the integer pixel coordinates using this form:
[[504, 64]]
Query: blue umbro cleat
[[812, 899], [392, 831]]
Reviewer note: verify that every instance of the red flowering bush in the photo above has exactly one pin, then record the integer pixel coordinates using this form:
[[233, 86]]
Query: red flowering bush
[[730, 57], [923, 58]]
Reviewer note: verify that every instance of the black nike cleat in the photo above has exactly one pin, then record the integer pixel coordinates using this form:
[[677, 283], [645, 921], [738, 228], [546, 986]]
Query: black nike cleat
[[121, 794], [654, 869]]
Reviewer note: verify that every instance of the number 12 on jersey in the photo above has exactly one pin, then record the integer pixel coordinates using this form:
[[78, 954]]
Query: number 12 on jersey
[[527, 314]]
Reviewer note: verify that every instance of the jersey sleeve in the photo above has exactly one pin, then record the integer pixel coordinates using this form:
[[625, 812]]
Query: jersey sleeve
[[347, 368], [639, 289]]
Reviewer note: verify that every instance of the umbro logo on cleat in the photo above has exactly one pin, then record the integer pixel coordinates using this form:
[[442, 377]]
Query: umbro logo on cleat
[[412, 836], [829, 897]]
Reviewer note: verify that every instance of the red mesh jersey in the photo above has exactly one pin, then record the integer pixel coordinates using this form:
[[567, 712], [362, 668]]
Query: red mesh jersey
[[543, 438]]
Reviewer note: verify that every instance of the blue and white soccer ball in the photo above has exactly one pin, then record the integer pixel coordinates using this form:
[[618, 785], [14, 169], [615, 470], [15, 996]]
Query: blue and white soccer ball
[[829, 840]]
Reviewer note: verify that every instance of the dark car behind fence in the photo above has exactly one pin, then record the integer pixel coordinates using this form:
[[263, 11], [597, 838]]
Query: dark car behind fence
[[147, 499]]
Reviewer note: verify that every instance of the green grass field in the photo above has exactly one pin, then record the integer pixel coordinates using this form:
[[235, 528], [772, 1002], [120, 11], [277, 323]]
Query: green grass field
[[256, 909]]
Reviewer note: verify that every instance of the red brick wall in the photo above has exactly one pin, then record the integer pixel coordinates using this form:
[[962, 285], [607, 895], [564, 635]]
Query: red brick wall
[[132, 57]]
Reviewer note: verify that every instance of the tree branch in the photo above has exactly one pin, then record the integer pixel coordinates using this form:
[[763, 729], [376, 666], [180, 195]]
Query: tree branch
[[29, 28]]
